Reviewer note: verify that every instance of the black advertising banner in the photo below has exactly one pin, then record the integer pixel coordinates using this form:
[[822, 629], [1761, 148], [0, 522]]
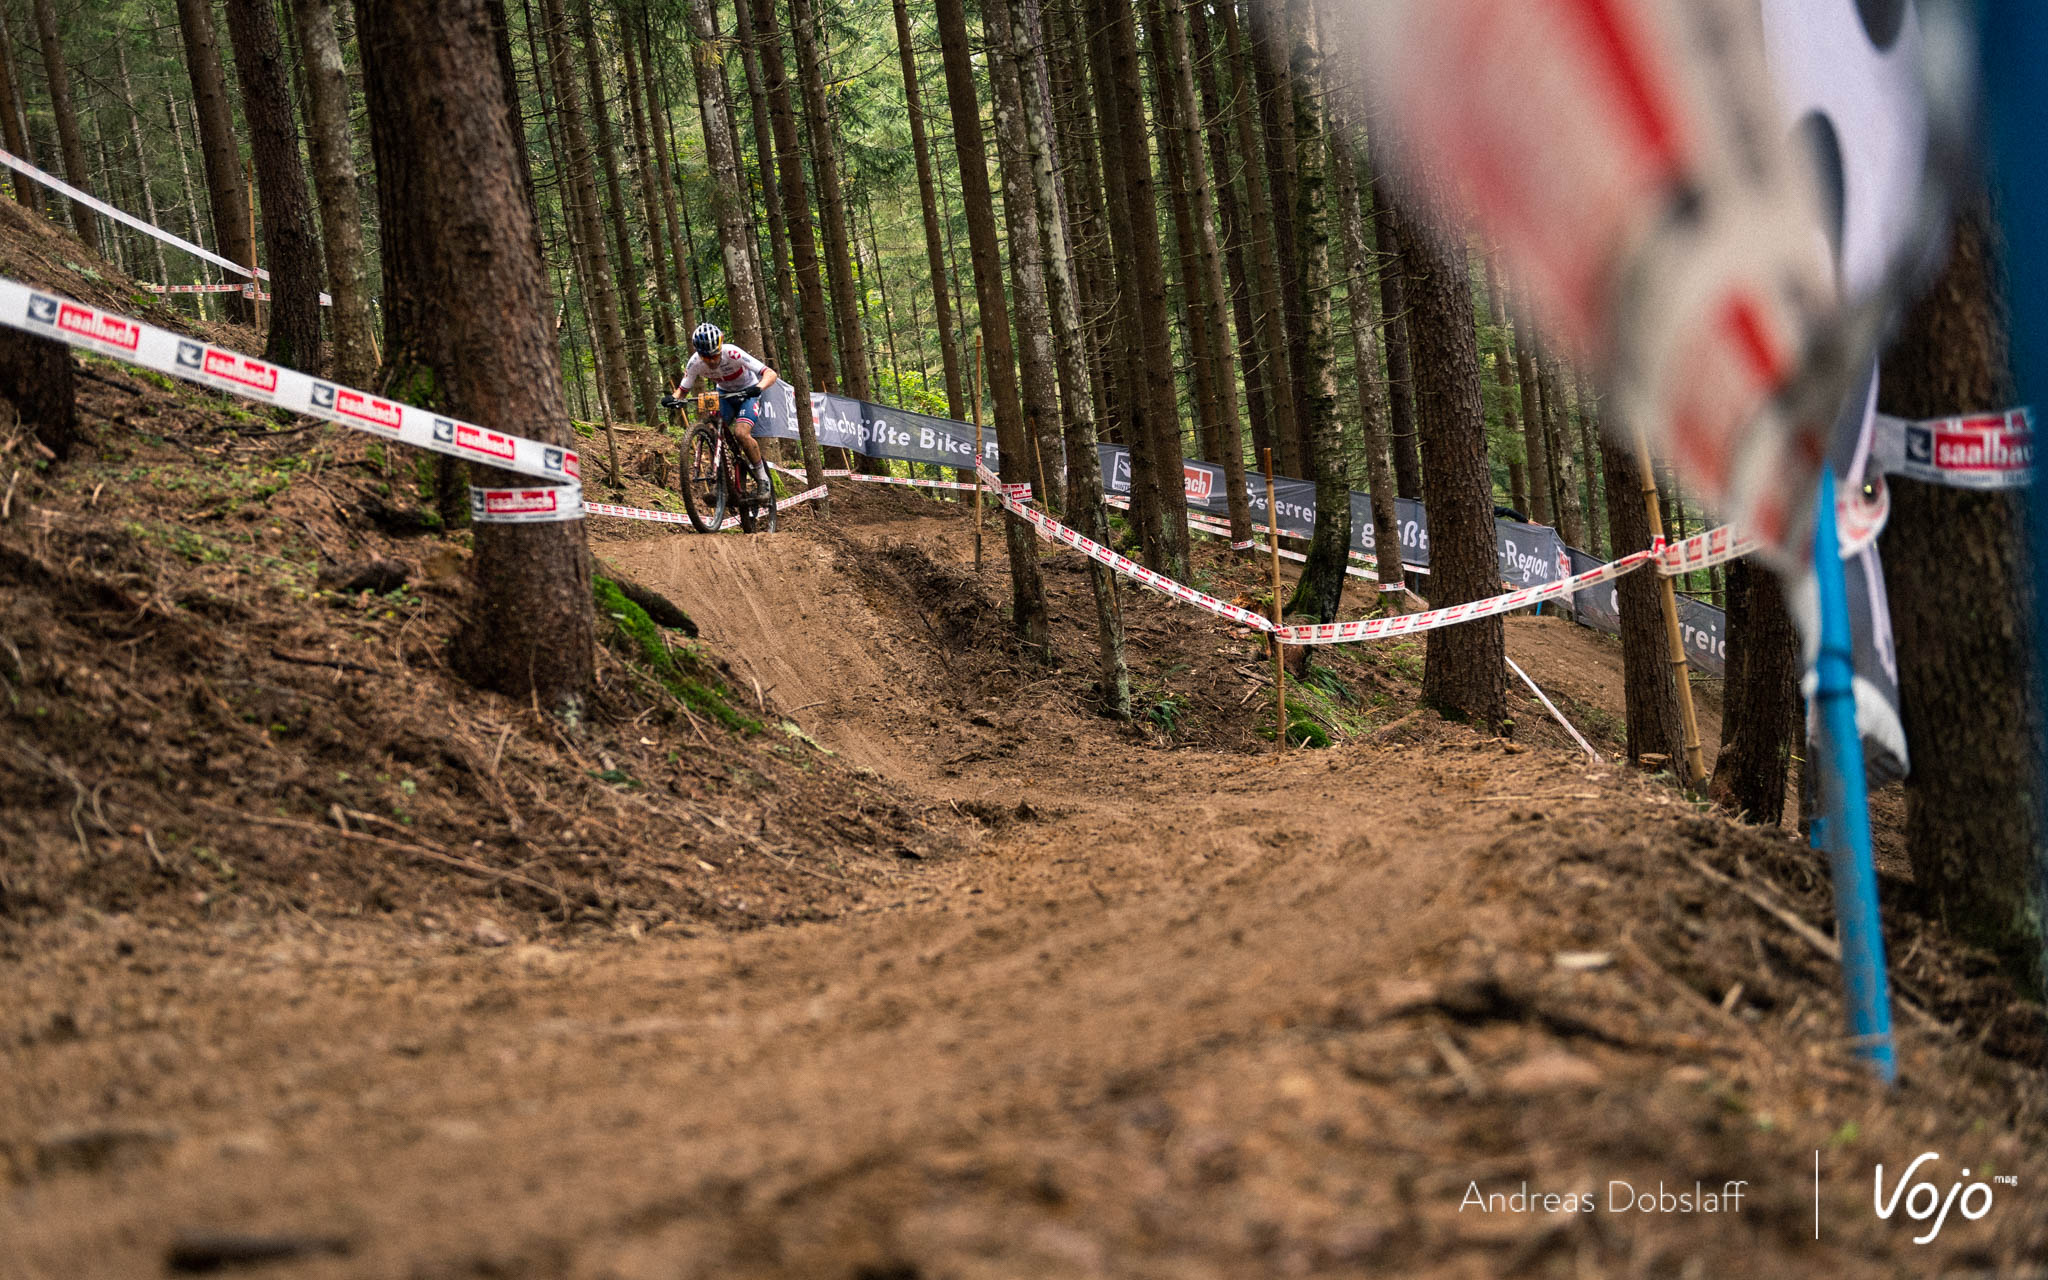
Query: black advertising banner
[[1703, 627], [1530, 554], [874, 430]]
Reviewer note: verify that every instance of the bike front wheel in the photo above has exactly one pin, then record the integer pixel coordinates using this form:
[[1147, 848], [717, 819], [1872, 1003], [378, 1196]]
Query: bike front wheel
[[703, 479]]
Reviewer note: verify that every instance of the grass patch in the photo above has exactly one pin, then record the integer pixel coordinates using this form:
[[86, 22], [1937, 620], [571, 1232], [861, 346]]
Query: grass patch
[[682, 672]]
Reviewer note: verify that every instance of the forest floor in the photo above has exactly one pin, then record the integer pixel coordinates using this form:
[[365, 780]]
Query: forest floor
[[865, 947]]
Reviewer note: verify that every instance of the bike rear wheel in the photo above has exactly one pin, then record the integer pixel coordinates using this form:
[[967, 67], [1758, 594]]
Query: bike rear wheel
[[704, 481]]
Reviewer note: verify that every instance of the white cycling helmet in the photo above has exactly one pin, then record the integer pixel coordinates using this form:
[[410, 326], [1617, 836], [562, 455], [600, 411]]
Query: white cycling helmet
[[707, 339]]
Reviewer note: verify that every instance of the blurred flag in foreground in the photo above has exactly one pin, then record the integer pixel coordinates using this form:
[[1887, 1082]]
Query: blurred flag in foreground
[[1628, 159]]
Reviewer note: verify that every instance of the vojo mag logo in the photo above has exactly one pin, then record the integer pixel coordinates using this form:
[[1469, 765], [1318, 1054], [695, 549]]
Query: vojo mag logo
[[1923, 1200], [1920, 444]]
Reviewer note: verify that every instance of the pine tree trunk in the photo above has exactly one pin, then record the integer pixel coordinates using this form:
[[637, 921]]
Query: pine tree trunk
[[803, 244], [36, 380], [1535, 441], [1027, 590], [12, 130], [600, 298], [69, 141], [1589, 454], [935, 249], [163, 271], [1401, 388], [1267, 274], [447, 176], [1144, 282], [1557, 437], [667, 342], [1210, 290], [289, 239], [1272, 82], [334, 177], [1118, 326], [831, 200], [664, 146], [1084, 509], [1761, 708], [1504, 374], [1372, 403], [1175, 133], [1651, 699], [226, 196], [1321, 588], [195, 230], [734, 231], [1081, 201], [1957, 576], [1230, 209], [1027, 268], [645, 393], [1464, 669]]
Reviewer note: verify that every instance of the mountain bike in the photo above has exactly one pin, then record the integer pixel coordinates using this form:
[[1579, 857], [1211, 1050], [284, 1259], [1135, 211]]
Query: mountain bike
[[716, 477]]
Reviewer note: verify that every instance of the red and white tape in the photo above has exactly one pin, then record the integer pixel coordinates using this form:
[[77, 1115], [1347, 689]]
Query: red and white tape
[[127, 219], [677, 517], [543, 504]]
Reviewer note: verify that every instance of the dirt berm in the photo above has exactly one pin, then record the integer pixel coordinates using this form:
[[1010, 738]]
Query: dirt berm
[[950, 977]]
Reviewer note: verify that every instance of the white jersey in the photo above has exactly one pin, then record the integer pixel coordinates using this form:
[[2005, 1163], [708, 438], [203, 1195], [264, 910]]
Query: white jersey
[[735, 372]]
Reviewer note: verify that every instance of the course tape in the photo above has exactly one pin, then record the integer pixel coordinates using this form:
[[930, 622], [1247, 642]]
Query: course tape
[[1330, 632], [53, 316], [677, 517], [126, 219], [546, 504]]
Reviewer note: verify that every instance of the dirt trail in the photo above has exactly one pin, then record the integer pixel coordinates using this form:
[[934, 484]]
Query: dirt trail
[[1181, 1014]]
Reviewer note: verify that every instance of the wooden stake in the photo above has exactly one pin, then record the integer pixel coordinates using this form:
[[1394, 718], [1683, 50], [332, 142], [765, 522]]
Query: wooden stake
[[1279, 650], [1674, 637], [255, 281], [977, 451]]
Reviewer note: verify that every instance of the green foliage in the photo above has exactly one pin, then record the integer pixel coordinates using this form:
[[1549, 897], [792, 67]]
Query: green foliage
[[681, 671]]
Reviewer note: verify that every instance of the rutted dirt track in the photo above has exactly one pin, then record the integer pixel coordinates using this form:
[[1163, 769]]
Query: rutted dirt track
[[1180, 1013]]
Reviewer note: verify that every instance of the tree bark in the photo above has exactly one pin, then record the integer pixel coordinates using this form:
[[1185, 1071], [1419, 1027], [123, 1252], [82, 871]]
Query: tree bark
[[803, 244], [1321, 588], [12, 129], [289, 238], [1040, 380], [1084, 509], [1082, 203], [69, 142], [36, 379], [831, 201], [664, 144], [1231, 212], [1372, 403], [156, 246], [1760, 709], [1027, 590], [1557, 437], [1651, 699], [465, 273], [600, 298], [1958, 580], [1268, 276], [1401, 388], [1144, 282], [334, 177], [1589, 453], [734, 232], [1504, 374], [1228, 447], [1535, 441], [645, 393], [668, 344], [1271, 79], [1464, 669], [935, 249]]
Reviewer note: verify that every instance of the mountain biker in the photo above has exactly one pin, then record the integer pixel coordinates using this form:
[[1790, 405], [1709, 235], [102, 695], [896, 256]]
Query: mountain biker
[[739, 378]]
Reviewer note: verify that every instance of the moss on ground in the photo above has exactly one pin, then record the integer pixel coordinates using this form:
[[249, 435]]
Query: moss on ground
[[681, 671]]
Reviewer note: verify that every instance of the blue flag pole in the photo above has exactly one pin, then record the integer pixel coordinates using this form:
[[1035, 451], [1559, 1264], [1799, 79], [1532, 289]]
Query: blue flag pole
[[1844, 827]]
